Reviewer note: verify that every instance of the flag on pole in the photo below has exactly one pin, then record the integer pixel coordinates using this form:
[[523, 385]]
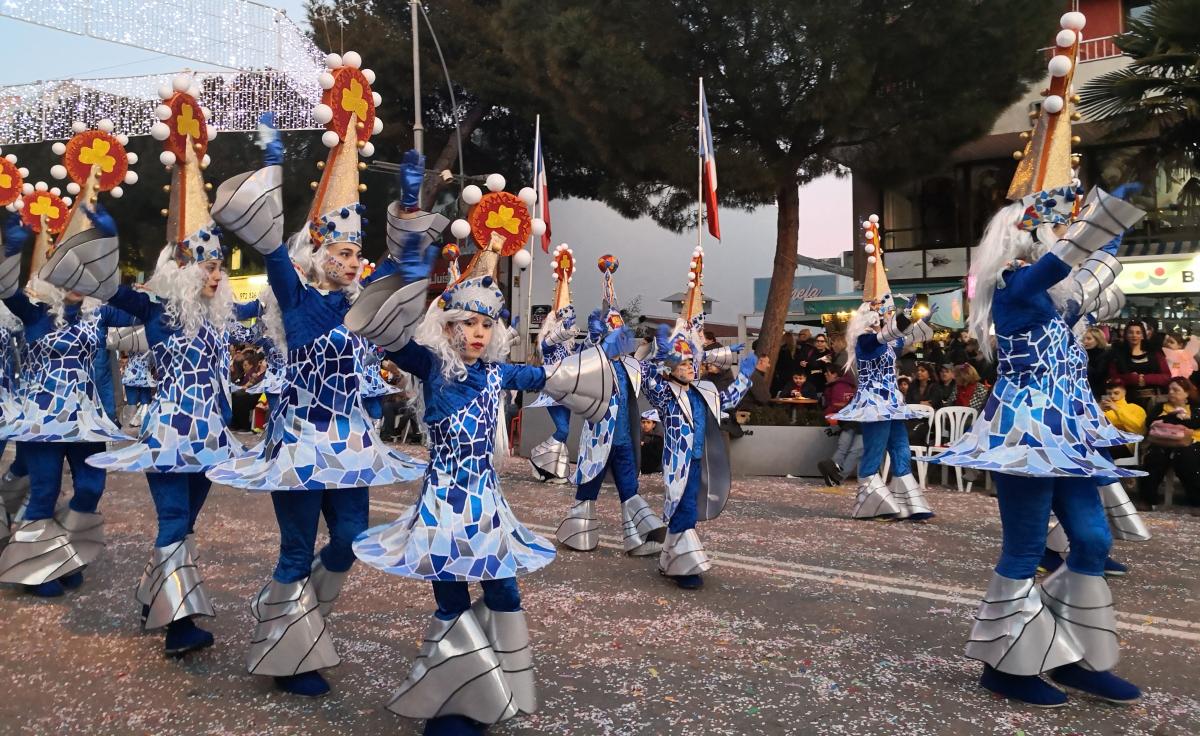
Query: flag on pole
[[708, 162], [542, 206]]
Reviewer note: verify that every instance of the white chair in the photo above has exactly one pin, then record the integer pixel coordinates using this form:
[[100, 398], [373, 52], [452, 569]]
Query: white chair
[[950, 423], [922, 451]]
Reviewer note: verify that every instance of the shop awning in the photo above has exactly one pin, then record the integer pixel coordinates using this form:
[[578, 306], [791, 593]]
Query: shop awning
[[1159, 247]]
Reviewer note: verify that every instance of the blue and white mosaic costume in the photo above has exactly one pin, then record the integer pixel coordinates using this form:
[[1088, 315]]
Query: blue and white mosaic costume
[[373, 387], [549, 457], [138, 379]]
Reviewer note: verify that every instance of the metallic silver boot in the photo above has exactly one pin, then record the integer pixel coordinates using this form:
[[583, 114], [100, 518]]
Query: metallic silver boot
[[1083, 606], [642, 529], [47, 549], [509, 634], [172, 588], [14, 491], [909, 498], [291, 636], [328, 585], [1056, 539], [874, 499], [683, 554], [1016, 633], [550, 462], [580, 531], [456, 673], [1124, 519], [5, 523]]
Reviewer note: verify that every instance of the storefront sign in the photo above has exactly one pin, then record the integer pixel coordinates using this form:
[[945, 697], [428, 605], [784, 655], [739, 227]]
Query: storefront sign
[[247, 288], [537, 315], [803, 287], [1160, 277]]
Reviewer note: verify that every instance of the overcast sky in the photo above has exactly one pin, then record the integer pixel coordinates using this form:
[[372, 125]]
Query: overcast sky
[[653, 260]]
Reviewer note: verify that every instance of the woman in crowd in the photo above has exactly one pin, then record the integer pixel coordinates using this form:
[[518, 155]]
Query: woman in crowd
[[814, 364], [949, 389], [1099, 360], [1182, 454], [924, 389], [1141, 368], [971, 391]]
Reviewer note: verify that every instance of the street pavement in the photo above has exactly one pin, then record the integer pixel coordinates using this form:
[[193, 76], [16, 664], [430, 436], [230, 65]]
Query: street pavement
[[809, 623]]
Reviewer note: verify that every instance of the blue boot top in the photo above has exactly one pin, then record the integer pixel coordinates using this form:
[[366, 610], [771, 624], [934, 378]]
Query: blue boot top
[[1104, 685], [1029, 689], [184, 636], [688, 582], [1051, 561], [306, 684], [1114, 569], [453, 726], [74, 580], [48, 589]]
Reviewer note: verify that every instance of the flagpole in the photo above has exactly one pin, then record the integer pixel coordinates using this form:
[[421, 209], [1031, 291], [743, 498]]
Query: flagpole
[[537, 211], [418, 126], [700, 166]]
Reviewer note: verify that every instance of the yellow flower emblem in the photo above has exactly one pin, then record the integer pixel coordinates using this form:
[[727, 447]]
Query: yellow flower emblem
[[352, 100], [502, 219], [5, 180], [44, 207], [186, 124], [97, 155]]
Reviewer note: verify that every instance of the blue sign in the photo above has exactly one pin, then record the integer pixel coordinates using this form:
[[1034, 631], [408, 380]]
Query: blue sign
[[803, 287]]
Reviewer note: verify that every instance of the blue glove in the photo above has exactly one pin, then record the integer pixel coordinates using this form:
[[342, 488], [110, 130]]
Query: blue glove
[[1113, 245], [662, 342], [566, 316], [596, 328], [101, 220], [269, 140], [416, 263], [1126, 190], [410, 178], [516, 321], [16, 235], [747, 366], [617, 343], [737, 347]]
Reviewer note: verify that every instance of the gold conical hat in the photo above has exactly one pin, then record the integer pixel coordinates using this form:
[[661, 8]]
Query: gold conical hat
[[875, 283], [188, 212]]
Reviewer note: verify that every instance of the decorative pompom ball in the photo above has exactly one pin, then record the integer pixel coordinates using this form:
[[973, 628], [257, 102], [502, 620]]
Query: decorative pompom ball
[[72, 188], [181, 82], [322, 114], [67, 201], [377, 128], [495, 182], [165, 92], [131, 177], [1059, 66], [211, 131], [368, 149], [521, 259], [106, 125], [1053, 104], [871, 259], [538, 226], [330, 139], [471, 194], [59, 149], [159, 131], [204, 162], [333, 61], [352, 58], [41, 186], [869, 248], [206, 113], [27, 188], [78, 126], [527, 195], [874, 219], [56, 191], [24, 172], [19, 204], [131, 158], [608, 263], [166, 158], [866, 225], [375, 98], [325, 79], [486, 281], [450, 251], [460, 228], [116, 192], [123, 139], [1065, 38], [162, 112], [369, 74], [869, 234], [58, 171], [1073, 20]]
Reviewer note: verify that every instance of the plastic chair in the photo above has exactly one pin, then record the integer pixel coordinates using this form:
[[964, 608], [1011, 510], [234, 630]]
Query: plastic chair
[[922, 451], [950, 423], [514, 435]]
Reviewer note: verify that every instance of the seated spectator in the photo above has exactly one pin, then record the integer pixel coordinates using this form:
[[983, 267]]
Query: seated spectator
[[652, 443], [946, 384], [814, 364], [1180, 453], [1099, 358], [984, 367], [839, 390], [903, 382], [971, 391], [1140, 368], [798, 388], [924, 390], [1123, 415], [1180, 362]]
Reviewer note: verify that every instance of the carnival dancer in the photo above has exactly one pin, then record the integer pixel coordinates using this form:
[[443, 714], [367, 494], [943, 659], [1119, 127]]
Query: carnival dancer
[[612, 444], [875, 335], [14, 483], [1039, 444], [322, 453], [138, 379], [475, 664], [373, 388], [695, 455], [61, 416], [550, 458]]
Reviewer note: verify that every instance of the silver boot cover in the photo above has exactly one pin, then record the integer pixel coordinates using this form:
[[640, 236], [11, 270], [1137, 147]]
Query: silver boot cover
[[456, 673], [327, 584], [48, 549], [1056, 539], [172, 587], [5, 523], [580, 530], [509, 634], [13, 492], [1083, 606], [1126, 523], [683, 554], [550, 457], [874, 499], [642, 529], [908, 496], [1016, 633], [291, 636]]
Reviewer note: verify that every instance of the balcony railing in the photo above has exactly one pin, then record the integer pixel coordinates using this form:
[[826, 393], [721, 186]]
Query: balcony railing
[[1092, 49]]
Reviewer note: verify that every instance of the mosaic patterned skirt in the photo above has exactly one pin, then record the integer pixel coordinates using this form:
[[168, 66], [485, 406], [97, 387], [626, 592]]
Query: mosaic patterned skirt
[[867, 406], [273, 382], [172, 441], [72, 417]]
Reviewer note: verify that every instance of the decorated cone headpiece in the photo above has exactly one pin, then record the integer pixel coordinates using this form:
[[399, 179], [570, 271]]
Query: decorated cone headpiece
[[608, 265], [500, 224], [184, 130], [685, 342], [347, 111], [13, 187], [82, 258], [876, 290], [44, 211], [1045, 180]]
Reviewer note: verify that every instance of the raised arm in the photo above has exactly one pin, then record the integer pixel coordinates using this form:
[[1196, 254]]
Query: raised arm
[[243, 311], [414, 358]]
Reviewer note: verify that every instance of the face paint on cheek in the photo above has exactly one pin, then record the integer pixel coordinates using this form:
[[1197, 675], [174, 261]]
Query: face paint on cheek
[[458, 337], [333, 269]]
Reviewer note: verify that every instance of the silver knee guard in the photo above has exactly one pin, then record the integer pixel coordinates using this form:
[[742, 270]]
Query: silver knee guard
[[1083, 606], [683, 554], [874, 499], [172, 587], [1126, 523], [1016, 633], [643, 531], [327, 584], [456, 673], [509, 634], [908, 496], [291, 636], [48, 549], [550, 457], [580, 530]]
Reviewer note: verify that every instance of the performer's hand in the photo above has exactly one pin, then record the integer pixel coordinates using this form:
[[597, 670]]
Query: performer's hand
[[748, 365], [101, 220], [737, 347], [618, 343], [269, 140], [595, 325], [409, 180], [16, 235], [1126, 190], [566, 316]]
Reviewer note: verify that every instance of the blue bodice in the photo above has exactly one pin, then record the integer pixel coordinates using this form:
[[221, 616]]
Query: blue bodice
[[137, 371], [878, 397]]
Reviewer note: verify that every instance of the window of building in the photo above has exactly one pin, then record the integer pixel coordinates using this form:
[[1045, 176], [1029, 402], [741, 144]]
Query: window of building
[[922, 214], [1136, 9]]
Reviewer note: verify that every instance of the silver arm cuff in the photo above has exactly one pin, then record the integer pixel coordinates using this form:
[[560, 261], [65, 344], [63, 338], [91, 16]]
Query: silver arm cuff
[[250, 205], [560, 334], [582, 382], [85, 263], [10, 274], [1102, 218], [722, 357], [891, 331], [919, 331], [1096, 274], [427, 225], [1112, 301], [128, 339], [388, 310]]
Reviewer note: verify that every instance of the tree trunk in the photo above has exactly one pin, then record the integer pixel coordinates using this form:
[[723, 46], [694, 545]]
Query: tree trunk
[[450, 152], [779, 297]]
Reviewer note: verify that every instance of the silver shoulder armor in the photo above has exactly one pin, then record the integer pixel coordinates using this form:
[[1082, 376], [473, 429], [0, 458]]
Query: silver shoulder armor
[[85, 263], [250, 205], [128, 339], [582, 382], [388, 310], [1102, 218]]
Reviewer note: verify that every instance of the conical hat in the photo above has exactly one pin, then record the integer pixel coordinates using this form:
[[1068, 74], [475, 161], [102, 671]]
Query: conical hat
[[875, 283], [96, 161]]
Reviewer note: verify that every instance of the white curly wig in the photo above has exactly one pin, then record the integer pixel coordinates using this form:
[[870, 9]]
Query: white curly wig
[[866, 317], [180, 290], [431, 333], [55, 299]]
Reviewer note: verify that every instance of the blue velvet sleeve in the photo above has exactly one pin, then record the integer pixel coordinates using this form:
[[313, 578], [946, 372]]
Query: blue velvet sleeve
[[243, 311], [285, 282], [114, 317], [133, 302], [414, 358], [25, 310], [522, 377], [1044, 273]]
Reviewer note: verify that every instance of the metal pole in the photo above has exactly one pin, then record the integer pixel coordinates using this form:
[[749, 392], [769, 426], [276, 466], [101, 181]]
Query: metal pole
[[418, 128], [537, 211], [699, 167]]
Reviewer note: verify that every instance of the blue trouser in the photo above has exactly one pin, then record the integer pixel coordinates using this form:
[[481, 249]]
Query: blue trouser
[[849, 448], [178, 498], [561, 416], [878, 437], [454, 597], [373, 406], [45, 461], [20, 466], [299, 513], [684, 517], [138, 395], [1025, 506], [623, 462]]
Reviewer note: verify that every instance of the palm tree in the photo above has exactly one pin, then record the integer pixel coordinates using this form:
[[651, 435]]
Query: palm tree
[[1158, 95]]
